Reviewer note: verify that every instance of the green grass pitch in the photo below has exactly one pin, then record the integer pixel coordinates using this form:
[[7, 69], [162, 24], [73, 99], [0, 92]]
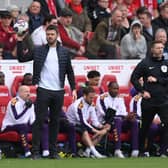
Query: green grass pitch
[[153, 162]]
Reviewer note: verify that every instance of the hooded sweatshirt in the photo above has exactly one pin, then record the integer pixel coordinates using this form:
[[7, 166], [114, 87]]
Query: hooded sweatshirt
[[131, 48]]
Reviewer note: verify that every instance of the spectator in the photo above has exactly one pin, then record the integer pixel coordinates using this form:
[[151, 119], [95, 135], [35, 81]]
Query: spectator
[[71, 37], [48, 7], [2, 78], [154, 92], [35, 16], [151, 5], [7, 35], [162, 20], [79, 113], [122, 120], [100, 12], [133, 45], [80, 17], [39, 34], [15, 11], [19, 116], [106, 39], [126, 22], [161, 35], [145, 18], [93, 77], [49, 94]]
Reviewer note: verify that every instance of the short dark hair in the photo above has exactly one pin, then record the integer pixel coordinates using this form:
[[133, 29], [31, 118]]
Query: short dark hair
[[27, 74], [88, 90], [93, 74], [111, 83], [52, 27], [48, 19], [144, 10], [155, 42]]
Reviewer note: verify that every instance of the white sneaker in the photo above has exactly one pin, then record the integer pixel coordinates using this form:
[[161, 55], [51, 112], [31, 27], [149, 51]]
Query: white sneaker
[[146, 154], [98, 155], [86, 154], [27, 154], [45, 153], [118, 153], [135, 153]]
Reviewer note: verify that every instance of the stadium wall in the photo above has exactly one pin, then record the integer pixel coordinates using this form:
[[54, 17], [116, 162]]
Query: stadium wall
[[121, 68]]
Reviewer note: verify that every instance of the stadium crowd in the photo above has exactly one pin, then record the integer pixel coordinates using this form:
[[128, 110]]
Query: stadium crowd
[[96, 115]]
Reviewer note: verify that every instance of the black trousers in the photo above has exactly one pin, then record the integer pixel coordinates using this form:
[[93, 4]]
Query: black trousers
[[148, 113], [52, 101]]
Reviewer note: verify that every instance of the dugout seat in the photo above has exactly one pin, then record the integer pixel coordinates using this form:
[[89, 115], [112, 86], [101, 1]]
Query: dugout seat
[[33, 93], [67, 90], [4, 98], [106, 79], [15, 85], [80, 80], [17, 82], [124, 91], [67, 102]]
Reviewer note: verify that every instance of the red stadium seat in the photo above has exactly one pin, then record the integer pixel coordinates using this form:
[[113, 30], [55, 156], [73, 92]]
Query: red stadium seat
[[67, 102], [17, 82], [33, 94], [106, 79], [97, 90], [80, 80], [15, 85], [4, 98], [67, 91], [124, 91]]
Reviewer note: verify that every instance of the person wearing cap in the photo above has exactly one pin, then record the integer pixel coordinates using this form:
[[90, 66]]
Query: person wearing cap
[[71, 36], [14, 11], [7, 35], [133, 44]]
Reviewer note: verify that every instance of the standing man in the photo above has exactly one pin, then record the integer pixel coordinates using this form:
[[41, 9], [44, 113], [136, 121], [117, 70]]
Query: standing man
[[154, 71], [51, 64]]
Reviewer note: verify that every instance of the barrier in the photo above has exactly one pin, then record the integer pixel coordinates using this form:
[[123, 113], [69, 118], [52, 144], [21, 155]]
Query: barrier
[[121, 68]]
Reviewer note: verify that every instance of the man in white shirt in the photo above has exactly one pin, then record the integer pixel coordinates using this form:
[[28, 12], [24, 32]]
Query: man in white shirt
[[83, 116], [39, 35], [51, 64], [19, 116], [111, 101]]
